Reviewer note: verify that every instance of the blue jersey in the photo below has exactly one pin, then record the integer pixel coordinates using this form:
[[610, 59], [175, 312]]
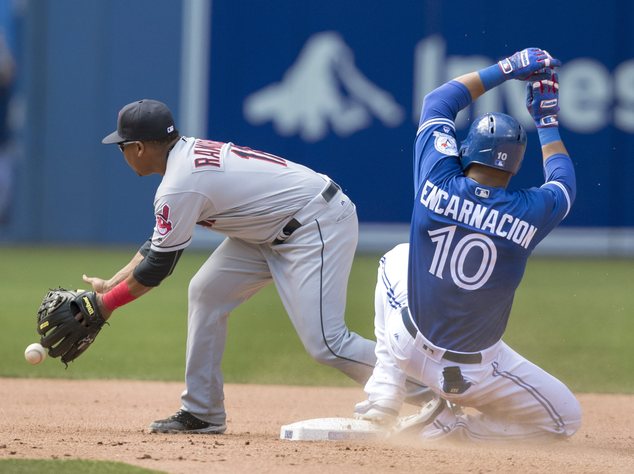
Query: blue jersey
[[469, 243]]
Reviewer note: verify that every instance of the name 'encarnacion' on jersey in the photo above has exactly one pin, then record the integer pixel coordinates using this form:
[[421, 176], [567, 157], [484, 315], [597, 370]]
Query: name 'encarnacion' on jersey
[[476, 215]]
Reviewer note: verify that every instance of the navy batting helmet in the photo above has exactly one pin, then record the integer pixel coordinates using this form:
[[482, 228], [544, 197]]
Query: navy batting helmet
[[495, 140]]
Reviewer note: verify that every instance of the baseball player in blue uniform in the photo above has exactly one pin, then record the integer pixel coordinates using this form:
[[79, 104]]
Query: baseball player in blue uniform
[[443, 302]]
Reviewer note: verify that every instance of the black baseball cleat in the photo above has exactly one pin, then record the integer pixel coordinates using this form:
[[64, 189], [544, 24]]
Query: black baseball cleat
[[185, 422]]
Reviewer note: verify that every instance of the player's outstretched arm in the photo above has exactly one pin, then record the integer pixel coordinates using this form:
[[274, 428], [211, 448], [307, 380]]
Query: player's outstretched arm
[[122, 288], [101, 286], [145, 271], [124, 292], [150, 271]]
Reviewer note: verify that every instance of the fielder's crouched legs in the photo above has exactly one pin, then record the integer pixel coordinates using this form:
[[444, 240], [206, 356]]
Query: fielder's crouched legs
[[233, 273]]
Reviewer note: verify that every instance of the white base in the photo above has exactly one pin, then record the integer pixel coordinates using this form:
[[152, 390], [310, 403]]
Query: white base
[[331, 429]]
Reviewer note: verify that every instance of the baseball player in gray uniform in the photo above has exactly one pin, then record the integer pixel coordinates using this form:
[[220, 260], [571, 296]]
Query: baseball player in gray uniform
[[283, 222]]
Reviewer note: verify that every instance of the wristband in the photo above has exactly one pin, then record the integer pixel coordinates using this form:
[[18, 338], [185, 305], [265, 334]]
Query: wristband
[[118, 296], [548, 135], [491, 76]]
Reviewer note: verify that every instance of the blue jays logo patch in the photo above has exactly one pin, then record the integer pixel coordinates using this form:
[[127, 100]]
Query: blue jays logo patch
[[445, 144]]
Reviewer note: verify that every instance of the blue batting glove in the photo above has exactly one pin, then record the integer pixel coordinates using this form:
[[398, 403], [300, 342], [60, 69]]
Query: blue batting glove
[[523, 64], [542, 98]]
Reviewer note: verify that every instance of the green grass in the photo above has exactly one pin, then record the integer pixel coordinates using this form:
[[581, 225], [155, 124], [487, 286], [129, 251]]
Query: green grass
[[574, 318], [31, 466], [571, 317]]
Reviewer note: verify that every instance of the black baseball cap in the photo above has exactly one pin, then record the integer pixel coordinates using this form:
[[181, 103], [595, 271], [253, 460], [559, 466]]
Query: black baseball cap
[[142, 120]]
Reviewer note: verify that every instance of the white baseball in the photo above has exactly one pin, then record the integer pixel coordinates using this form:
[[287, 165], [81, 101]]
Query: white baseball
[[34, 353]]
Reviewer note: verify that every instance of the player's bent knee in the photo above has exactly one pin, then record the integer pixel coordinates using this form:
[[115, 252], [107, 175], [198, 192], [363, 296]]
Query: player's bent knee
[[201, 289], [328, 351], [327, 356], [572, 427], [196, 291], [571, 416], [197, 284], [573, 423], [322, 355]]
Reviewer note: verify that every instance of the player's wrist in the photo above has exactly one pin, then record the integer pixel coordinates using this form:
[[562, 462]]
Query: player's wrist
[[491, 76], [105, 312], [106, 286], [548, 135], [117, 296]]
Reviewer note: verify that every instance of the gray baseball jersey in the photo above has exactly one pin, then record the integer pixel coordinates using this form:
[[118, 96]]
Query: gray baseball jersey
[[233, 190], [251, 197]]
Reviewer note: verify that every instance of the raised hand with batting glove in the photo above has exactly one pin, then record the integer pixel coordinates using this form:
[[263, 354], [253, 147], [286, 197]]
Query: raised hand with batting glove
[[68, 322], [524, 63], [520, 65], [542, 98]]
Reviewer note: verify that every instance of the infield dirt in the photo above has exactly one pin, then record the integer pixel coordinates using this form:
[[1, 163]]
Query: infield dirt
[[107, 419]]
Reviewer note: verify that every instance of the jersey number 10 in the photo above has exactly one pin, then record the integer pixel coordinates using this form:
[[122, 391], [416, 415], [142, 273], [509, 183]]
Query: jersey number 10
[[443, 238]]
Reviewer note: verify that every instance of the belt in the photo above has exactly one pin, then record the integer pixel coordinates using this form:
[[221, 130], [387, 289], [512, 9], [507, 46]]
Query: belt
[[330, 191], [458, 357], [294, 224]]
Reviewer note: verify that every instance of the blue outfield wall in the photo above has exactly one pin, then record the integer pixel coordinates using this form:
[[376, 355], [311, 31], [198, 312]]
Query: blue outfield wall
[[81, 61], [333, 84], [339, 88]]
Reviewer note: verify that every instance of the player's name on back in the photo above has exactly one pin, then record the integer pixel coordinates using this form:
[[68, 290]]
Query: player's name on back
[[475, 215]]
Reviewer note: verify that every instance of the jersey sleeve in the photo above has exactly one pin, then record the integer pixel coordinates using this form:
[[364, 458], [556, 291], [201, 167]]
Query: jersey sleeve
[[436, 135], [561, 183], [549, 204], [176, 215]]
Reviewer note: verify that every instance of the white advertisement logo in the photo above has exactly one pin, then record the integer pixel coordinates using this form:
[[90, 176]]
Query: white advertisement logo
[[323, 90]]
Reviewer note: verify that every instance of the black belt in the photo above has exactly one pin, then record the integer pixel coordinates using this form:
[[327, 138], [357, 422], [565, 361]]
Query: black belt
[[294, 224], [458, 357]]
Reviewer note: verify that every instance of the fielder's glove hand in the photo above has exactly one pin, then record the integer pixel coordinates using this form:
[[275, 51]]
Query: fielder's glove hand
[[542, 98], [68, 322], [523, 64]]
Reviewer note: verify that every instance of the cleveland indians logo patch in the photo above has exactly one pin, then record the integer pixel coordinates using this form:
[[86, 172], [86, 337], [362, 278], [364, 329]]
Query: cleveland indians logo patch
[[163, 224]]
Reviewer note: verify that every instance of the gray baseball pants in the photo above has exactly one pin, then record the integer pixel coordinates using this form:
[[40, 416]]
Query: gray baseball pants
[[310, 271]]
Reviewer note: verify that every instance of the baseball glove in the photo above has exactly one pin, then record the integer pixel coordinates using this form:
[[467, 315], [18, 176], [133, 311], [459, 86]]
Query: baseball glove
[[68, 322]]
